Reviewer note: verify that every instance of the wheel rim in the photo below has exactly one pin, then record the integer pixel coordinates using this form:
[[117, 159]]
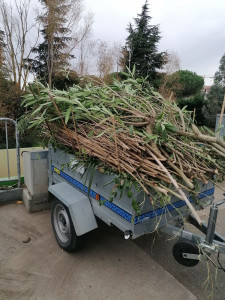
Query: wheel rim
[[61, 223], [184, 247]]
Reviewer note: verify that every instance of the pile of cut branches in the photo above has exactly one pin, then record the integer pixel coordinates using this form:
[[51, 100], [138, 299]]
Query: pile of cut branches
[[130, 128]]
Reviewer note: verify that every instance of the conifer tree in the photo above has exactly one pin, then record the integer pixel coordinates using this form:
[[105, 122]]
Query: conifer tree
[[52, 55], [141, 46]]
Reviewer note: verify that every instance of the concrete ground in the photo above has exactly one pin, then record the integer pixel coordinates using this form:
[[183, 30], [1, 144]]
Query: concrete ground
[[203, 280], [108, 267]]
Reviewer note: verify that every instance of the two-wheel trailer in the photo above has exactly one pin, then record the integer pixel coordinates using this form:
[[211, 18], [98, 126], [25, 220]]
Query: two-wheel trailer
[[76, 206]]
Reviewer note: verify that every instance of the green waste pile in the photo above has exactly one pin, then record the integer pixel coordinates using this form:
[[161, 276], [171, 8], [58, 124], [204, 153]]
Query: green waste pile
[[128, 128]]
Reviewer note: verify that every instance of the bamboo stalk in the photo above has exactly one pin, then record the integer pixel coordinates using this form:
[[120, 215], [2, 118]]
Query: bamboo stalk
[[182, 175], [202, 137], [180, 191]]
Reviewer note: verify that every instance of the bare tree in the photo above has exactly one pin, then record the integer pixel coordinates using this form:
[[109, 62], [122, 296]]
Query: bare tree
[[3, 66], [84, 45], [108, 58], [85, 57], [82, 30], [14, 18], [105, 61], [172, 65], [117, 56]]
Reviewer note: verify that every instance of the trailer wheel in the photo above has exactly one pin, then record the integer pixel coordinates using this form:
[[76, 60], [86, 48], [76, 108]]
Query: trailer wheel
[[185, 246], [63, 228]]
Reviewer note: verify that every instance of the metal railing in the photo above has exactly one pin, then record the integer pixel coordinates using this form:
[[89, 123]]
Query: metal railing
[[6, 120]]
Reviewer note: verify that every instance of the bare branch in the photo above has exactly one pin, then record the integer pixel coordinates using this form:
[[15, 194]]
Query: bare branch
[[14, 17]]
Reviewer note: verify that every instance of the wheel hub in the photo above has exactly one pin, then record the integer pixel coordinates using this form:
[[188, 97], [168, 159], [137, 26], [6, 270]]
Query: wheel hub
[[62, 223]]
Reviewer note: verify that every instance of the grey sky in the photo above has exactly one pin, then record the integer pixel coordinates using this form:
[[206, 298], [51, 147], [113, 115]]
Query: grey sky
[[194, 29]]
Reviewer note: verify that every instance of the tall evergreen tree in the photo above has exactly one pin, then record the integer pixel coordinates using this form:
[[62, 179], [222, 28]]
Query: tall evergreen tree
[[52, 55], [141, 46]]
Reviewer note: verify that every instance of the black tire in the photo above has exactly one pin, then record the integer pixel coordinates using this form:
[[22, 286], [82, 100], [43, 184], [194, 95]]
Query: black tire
[[63, 228], [185, 246]]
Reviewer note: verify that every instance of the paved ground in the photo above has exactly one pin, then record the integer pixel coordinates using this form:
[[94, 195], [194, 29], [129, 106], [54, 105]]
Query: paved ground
[[202, 280], [108, 267]]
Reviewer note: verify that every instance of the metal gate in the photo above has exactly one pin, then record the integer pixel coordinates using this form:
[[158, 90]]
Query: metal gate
[[6, 121]]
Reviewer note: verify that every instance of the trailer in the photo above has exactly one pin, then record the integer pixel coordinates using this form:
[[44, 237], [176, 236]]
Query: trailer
[[76, 206]]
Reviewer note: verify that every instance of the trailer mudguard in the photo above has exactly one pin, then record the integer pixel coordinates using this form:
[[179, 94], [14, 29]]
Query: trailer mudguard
[[79, 207]]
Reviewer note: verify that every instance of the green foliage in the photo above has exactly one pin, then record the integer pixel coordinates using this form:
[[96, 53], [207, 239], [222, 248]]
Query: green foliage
[[213, 104], [141, 47], [214, 98], [10, 99], [220, 74], [185, 83], [10, 103], [194, 103], [108, 79], [65, 79]]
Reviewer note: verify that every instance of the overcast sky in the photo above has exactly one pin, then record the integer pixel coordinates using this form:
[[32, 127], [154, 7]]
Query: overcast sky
[[194, 29]]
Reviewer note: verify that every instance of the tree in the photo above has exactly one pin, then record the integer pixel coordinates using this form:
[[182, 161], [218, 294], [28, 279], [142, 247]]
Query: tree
[[117, 52], [10, 93], [105, 60], [62, 32], [184, 83], [3, 68], [141, 46], [194, 104], [171, 66], [10, 99], [213, 103], [16, 24], [84, 46], [186, 88], [214, 99], [51, 54], [219, 77]]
